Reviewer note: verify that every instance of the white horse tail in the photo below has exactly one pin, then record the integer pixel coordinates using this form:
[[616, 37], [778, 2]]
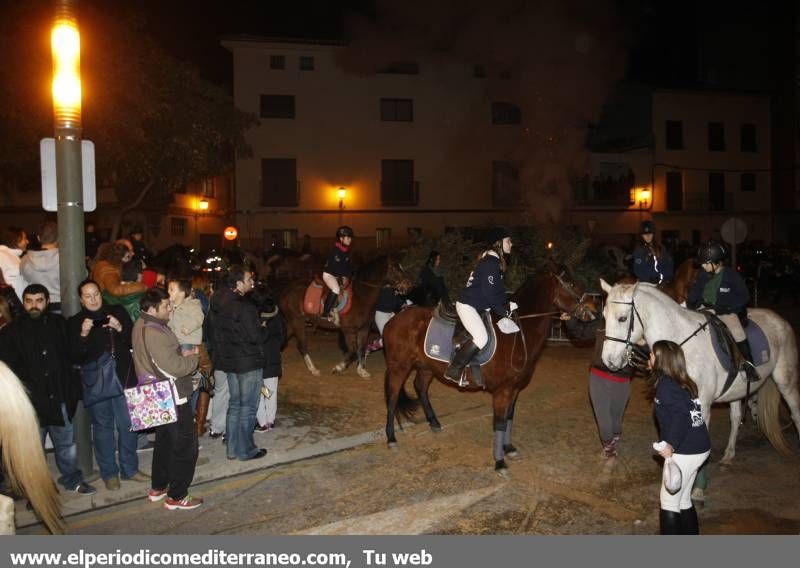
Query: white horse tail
[[24, 463], [769, 406]]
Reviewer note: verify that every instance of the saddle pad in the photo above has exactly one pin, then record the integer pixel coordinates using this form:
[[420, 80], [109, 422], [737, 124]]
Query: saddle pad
[[313, 303], [759, 346], [439, 341]]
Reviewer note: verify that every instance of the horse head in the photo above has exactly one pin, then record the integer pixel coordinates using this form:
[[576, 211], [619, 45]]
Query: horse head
[[624, 326], [570, 297]]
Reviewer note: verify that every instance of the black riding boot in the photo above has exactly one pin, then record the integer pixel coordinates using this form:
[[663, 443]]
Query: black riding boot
[[330, 302], [689, 521], [748, 367], [670, 522], [463, 356]]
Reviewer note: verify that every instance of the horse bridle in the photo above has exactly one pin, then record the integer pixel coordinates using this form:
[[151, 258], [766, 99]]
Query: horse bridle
[[627, 341], [579, 300]]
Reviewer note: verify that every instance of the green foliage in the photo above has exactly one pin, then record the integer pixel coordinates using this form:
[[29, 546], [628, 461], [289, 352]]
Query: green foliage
[[529, 256]]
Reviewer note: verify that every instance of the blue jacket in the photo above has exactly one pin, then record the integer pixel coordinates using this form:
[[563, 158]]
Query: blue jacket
[[390, 300], [338, 262], [733, 293], [680, 421], [648, 268], [485, 288]]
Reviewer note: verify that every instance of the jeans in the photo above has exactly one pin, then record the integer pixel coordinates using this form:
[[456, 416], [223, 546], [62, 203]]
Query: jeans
[[268, 407], [66, 452], [106, 415], [219, 404], [175, 454], [245, 391]]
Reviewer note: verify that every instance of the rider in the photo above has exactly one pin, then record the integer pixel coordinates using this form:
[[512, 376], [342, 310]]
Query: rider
[[722, 289], [485, 290], [337, 266], [651, 262]]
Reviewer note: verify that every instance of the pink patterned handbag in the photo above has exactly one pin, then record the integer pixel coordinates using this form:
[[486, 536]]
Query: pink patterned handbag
[[152, 402]]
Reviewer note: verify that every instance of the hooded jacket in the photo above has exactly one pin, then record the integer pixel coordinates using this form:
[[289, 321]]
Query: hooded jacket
[[188, 315], [109, 278], [235, 333], [41, 267], [9, 264], [152, 337]]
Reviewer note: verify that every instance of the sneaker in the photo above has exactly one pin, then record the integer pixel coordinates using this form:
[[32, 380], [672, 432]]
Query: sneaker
[[270, 426], [187, 503], [84, 488], [112, 483], [258, 455], [260, 428], [156, 494], [139, 476], [215, 435]]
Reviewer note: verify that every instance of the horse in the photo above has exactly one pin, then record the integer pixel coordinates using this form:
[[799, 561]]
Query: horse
[[636, 311], [505, 375], [682, 281], [355, 323], [24, 464]]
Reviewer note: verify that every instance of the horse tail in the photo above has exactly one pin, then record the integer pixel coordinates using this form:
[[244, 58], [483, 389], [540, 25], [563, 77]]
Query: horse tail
[[23, 457], [769, 401], [406, 405]]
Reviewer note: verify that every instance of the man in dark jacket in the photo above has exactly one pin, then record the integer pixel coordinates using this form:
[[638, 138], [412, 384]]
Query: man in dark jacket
[[98, 332], [35, 347], [236, 340]]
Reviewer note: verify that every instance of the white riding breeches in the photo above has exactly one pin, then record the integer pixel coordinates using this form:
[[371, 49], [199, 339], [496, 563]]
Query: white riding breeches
[[331, 282], [688, 464], [734, 326], [381, 319], [473, 323]]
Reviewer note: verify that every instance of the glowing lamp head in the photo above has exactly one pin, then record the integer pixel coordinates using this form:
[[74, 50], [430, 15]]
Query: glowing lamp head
[[202, 205], [341, 192], [230, 233], [65, 44], [549, 245]]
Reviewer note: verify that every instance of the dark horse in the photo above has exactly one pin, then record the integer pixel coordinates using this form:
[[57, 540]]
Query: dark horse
[[509, 371], [355, 324]]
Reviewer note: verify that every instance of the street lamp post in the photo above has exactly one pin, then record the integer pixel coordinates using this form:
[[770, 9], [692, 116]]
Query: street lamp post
[[341, 193], [200, 207], [66, 52]]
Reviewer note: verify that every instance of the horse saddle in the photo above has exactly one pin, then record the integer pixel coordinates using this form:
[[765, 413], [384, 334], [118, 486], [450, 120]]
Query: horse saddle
[[725, 348], [314, 299], [441, 332]]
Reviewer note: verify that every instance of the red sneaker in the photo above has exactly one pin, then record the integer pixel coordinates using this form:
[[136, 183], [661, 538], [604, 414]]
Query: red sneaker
[[156, 494], [187, 503]]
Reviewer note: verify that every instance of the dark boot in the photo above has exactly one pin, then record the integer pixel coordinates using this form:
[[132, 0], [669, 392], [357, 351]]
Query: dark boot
[[689, 521], [670, 522], [330, 302], [463, 356], [747, 366], [201, 411]]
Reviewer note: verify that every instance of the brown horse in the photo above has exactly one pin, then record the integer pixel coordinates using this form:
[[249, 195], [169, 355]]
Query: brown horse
[[355, 324], [509, 371], [678, 288]]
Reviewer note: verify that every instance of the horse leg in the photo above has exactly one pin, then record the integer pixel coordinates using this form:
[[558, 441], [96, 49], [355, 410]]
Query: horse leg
[[736, 419], [297, 327], [501, 402], [351, 344], [508, 448], [422, 382], [361, 351], [393, 382], [701, 480]]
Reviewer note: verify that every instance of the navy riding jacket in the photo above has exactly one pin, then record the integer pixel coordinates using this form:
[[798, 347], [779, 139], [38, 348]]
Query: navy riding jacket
[[390, 300], [733, 294], [680, 421], [338, 262], [649, 268], [485, 288]]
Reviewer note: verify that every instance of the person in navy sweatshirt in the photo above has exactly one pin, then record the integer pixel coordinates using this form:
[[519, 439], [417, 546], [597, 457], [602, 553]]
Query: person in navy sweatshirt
[[683, 432], [337, 267], [485, 290], [651, 262]]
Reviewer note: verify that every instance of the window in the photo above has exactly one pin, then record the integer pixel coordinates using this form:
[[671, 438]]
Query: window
[[479, 71], [279, 186], [747, 136], [401, 68], [674, 191], [674, 139], [277, 106], [177, 227], [277, 62], [506, 187], [306, 63], [397, 183], [383, 238], [209, 188], [506, 113], [280, 238], [716, 191], [748, 182], [716, 137], [397, 110]]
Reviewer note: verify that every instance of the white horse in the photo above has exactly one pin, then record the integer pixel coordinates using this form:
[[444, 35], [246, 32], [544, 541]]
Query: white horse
[[24, 464], [636, 311]]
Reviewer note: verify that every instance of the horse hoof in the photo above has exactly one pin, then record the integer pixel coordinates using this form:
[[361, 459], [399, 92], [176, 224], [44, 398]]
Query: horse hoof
[[315, 372], [392, 445], [511, 452], [364, 374], [436, 427]]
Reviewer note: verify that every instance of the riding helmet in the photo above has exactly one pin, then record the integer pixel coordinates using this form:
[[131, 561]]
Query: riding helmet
[[712, 251], [648, 227], [344, 231], [498, 234]]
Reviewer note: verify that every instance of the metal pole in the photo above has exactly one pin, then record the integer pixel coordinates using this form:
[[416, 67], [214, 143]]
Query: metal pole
[[71, 250]]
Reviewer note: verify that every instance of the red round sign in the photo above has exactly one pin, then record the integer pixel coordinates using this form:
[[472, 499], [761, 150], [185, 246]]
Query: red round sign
[[230, 233]]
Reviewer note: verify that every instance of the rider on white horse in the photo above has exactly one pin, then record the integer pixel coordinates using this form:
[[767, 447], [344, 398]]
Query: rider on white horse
[[723, 290]]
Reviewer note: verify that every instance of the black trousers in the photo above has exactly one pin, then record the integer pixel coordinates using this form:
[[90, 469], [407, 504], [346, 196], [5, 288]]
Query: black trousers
[[175, 454]]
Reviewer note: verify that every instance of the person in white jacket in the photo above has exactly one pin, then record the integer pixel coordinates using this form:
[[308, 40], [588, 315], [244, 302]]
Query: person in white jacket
[[42, 266], [15, 242]]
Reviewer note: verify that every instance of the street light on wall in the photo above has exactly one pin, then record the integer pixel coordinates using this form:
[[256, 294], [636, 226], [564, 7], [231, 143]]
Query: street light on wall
[[201, 206], [341, 193], [643, 197]]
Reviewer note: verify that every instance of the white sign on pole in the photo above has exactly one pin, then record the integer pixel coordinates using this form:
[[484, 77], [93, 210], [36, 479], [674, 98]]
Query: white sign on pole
[[47, 152]]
